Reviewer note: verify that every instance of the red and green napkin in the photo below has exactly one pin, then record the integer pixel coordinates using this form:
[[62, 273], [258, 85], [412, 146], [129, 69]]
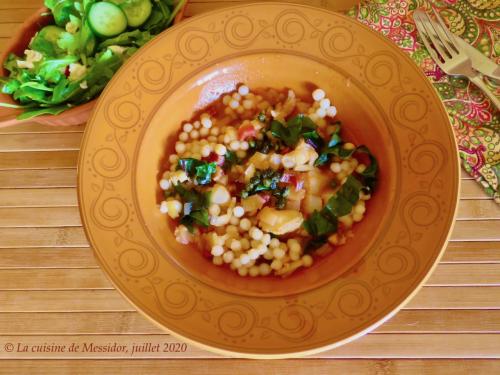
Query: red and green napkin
[[475, 120]]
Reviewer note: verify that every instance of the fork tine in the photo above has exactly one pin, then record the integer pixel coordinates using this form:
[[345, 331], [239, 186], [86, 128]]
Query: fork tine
[[425, 37], [433, 36], [450, 37]]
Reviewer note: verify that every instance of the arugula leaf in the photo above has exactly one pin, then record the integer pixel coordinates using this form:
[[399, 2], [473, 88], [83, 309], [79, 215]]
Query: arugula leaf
[[42, 111], [61, 10], [198, 169], [131, 38]]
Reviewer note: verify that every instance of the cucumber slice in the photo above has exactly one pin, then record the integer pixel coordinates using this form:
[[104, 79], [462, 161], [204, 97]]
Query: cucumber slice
[[107, 19], [137, 11]]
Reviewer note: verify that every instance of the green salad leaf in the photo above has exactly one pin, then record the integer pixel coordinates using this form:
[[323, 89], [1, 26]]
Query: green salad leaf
[[39, 83]]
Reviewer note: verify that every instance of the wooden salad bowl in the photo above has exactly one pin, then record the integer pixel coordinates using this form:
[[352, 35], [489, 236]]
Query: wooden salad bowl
[[17, 44]]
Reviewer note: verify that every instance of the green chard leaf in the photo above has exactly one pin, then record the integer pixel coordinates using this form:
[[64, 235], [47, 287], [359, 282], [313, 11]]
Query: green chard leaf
[[319, 225], [197, 204], [200, 170], [296, 128]]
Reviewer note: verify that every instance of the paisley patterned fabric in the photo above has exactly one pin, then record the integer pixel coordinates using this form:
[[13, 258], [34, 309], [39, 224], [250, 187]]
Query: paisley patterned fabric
[[475, 120]]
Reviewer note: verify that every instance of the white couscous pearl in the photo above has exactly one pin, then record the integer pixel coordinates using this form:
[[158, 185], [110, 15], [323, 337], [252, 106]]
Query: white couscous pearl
[[197, 124], [226, 99], [206, 122], [195, 134], [234, 104], [243, 90], [163, 207], [274, 243], [173, 158], [204, 132], [217, 250], [228, 257], [214, 210], [234, 145], [206, 150], [180, 147], [256, 233], [220, 149], [278, 253], [307, 260], [243, 271], [325, 103], [187, 127], [266, 239], [244, 259], [165, 184], [245, 244], [360, 168], [238, 211], [214, 131], [234, 220], [254, 271], [254, 254], [321, 112], [335, 168], [235, 245], [183, 137], [247, 104], [318, 94], [276, 264], [264, 269], [331, 112], [245, 224]]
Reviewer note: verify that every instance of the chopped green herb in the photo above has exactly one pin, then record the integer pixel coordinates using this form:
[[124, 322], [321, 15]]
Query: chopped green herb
[[267, 180]]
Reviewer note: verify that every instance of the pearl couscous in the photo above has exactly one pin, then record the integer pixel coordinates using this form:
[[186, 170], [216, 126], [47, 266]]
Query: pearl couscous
[[262, 182]]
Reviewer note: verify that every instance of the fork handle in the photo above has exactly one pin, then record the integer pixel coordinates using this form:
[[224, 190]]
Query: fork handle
[[478, 81]]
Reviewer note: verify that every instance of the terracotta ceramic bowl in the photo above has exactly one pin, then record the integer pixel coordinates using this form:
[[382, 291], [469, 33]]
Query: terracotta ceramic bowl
[[17, 44], [384, 102]]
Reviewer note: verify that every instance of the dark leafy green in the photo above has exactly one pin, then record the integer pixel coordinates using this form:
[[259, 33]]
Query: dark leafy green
[[230, 159], [324, 223], [196, 205], [198, 169], [296, 128]]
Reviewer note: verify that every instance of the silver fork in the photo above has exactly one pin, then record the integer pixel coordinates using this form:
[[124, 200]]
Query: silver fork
[[447, 54]]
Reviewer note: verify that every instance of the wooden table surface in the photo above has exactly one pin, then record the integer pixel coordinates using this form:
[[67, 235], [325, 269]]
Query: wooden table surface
[[52, 292]]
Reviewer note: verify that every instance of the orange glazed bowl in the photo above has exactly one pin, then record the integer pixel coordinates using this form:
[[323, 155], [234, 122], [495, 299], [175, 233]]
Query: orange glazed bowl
[[17, 44], [383, 101]]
